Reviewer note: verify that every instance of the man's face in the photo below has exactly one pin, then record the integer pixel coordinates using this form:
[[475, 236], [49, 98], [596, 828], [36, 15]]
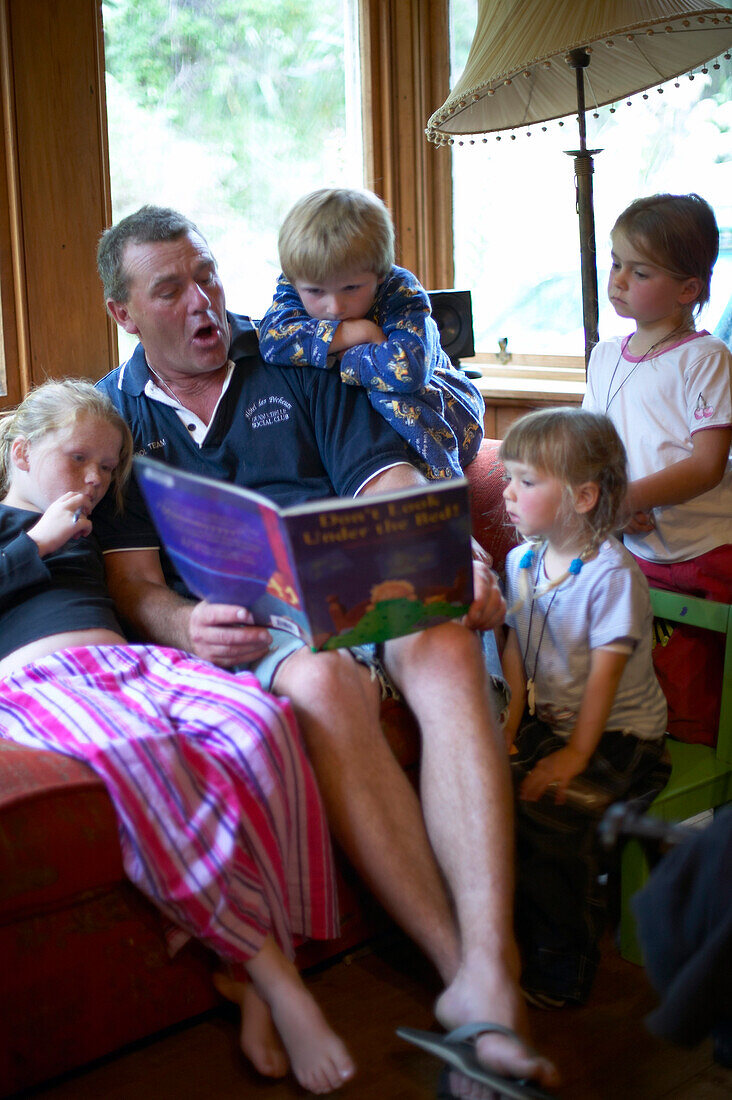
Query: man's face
[[175, 305]]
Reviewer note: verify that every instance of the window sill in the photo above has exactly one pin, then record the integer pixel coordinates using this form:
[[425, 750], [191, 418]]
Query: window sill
[[535, 378]]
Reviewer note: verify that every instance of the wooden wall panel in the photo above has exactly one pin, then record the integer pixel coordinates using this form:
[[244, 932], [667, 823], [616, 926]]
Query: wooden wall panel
[[13, 373], [500, 414], [60, 183]]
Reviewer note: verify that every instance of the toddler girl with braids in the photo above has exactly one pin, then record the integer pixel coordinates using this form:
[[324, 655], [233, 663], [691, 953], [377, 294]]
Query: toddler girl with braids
[[584, 698]]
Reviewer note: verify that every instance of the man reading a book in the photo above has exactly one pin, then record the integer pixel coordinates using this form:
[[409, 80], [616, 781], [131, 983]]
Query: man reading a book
[[197, 395]]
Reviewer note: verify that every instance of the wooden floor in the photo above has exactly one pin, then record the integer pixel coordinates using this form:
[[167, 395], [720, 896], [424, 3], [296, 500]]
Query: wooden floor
[[603, 1049]]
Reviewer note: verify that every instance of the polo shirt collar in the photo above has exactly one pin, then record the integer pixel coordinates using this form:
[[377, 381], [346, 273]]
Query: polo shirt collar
[[134, 374]]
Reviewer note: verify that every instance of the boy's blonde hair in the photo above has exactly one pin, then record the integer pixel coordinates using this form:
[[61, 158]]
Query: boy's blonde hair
[[52, 406], [677, 233], [574, 446], [336, 230]]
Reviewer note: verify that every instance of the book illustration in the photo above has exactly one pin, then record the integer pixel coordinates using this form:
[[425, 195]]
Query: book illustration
[[393, 608], [336, 572]]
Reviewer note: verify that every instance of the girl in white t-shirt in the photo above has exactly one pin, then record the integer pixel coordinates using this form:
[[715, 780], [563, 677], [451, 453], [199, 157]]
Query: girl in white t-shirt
[[587, 717], [668, 389]]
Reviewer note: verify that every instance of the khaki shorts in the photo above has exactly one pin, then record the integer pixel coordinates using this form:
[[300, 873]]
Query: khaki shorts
[[284, 645]]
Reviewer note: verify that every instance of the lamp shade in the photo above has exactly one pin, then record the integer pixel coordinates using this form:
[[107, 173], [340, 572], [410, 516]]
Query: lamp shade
[[516, 73]]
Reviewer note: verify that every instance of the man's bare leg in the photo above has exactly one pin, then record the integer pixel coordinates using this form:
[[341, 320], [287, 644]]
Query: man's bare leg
[[467, 805], [377, 818], [372, 808]]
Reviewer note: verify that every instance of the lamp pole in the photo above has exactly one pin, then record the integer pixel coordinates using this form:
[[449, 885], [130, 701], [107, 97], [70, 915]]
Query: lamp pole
[[583, 170]]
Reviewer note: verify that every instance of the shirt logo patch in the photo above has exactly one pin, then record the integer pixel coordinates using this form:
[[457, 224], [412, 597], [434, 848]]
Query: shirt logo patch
[[156, 445], [702, 410], [268, 411]]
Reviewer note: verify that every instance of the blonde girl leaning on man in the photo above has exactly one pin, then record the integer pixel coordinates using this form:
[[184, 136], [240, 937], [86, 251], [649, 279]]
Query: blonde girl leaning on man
[[220, 820]]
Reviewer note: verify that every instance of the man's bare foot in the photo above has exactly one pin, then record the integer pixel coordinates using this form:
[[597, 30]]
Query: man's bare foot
[[318, 1058], [258, 1037], [482, 992]]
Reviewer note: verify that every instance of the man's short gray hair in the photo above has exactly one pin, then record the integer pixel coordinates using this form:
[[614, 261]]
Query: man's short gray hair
[[145, 226]]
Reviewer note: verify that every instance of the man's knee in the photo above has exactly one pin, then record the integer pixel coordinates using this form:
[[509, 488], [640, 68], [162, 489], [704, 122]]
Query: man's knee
[[321, 682], [444, 652]]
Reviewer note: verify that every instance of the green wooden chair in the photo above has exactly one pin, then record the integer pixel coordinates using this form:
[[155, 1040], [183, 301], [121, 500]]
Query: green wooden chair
[[701, 777]]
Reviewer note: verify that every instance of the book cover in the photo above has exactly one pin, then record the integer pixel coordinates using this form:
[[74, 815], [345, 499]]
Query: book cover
[[336, 572]]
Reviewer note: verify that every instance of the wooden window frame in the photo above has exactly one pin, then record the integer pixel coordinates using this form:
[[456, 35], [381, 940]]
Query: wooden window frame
[[54, 193], [405, 73], [405, 76], [13, 380]]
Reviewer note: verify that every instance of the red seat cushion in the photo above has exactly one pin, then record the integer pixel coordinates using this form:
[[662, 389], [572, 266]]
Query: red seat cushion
[[491, 525], [58, 831]]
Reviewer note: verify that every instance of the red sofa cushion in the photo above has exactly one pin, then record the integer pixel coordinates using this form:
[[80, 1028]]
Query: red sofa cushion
[[58, 831], [491, 525]]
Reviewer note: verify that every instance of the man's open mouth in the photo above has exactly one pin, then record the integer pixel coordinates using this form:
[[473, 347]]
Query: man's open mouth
[[205, 332]]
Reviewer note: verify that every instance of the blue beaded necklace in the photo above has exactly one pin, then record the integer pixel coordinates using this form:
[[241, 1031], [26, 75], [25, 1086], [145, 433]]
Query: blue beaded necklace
[[571, 571], [526, 564]]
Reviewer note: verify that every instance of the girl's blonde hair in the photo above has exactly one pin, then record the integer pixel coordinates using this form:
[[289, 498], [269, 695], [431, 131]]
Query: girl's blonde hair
[[677, 233], [52, 406], [574, 446], [336, 230]]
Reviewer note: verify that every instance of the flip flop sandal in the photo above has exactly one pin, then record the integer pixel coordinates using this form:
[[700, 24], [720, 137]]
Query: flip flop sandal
[[458, 1052]]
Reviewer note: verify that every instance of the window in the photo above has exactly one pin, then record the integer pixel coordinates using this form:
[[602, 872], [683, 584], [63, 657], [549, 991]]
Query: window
[[229, 111], [515, 224]]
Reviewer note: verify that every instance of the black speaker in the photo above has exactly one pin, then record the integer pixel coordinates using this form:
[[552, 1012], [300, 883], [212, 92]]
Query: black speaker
[[453, 314]]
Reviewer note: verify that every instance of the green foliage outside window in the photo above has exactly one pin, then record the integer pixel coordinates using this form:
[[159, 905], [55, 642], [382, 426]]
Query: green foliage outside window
[[262, 80], [230, 110]]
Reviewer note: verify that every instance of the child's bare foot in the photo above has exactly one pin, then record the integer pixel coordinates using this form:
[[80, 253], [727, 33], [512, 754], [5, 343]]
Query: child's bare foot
[[478, 992], [258, 1037], [318, 1058]]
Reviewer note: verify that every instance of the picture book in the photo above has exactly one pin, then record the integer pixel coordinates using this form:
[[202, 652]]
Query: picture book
[[335, 572]]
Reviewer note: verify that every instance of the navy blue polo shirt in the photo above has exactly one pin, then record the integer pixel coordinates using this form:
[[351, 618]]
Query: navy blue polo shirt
[[293, 435]]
